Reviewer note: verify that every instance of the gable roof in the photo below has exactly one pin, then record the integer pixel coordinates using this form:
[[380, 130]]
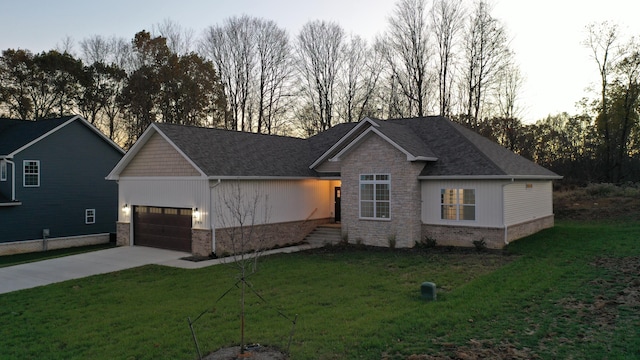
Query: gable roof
[[448, 150], [17, 135], [463, 153]]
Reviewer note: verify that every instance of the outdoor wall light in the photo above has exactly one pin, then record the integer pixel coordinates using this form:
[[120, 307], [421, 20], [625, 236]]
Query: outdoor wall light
[[196, 214], [126, 209]]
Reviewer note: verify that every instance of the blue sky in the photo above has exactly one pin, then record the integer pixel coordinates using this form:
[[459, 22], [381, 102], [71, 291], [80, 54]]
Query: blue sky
[[545, 34]]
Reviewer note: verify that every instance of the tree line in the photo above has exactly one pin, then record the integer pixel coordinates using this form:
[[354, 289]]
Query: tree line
[[435, 57]]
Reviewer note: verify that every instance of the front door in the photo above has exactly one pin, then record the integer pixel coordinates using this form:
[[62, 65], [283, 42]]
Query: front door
[[337, 204]]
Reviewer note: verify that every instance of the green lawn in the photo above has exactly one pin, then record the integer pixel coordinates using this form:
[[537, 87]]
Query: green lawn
[[562, 293]]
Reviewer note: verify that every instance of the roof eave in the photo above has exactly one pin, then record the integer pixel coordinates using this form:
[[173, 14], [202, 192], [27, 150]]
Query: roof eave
[[338, 143], [491, 177]]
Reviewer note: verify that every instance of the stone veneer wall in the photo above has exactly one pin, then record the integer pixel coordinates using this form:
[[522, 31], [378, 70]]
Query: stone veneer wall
[[201, 242], [123, 234], [464, 236], [266, 236], [19, 247], [376, 156]]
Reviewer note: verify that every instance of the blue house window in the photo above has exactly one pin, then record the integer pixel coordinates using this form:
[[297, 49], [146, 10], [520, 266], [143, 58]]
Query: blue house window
[[31, 173], [90, 216]]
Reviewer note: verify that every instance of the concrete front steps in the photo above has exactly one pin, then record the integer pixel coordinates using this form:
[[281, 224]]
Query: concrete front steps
[[324, 235]]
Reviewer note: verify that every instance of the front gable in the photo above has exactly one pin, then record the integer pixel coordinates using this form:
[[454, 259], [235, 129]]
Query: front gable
[[157, 157]]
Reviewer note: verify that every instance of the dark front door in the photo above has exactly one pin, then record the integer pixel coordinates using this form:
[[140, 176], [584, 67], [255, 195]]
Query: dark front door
[[337, 204], [166, 228]]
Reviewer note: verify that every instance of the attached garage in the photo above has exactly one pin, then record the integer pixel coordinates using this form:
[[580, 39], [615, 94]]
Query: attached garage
[[166, 228]]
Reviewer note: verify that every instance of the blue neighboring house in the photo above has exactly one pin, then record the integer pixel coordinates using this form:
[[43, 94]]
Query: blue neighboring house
[[52, 183]]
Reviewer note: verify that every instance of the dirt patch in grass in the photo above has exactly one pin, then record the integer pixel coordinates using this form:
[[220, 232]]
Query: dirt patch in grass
[[480, 349], [597, 202], [254, 352]]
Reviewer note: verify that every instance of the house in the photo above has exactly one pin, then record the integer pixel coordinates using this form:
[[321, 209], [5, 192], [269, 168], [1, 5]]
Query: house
[[53, 191], [384, 181]]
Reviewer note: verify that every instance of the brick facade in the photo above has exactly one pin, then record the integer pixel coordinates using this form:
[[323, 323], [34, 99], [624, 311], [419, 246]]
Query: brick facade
[[201, 242], [123, 234], [464, 236], [264, 236], [376, 156]]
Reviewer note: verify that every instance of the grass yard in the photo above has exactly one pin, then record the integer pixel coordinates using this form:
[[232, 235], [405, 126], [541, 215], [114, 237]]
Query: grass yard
[[567, 292]]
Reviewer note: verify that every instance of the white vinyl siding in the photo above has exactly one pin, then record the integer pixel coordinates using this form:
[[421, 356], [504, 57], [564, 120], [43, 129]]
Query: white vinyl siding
[[280, 200], [31, 173], [287, 200], [527, 200], [488, 201]]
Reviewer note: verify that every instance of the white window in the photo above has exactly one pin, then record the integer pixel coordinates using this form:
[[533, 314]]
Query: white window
[[31, 173], [458, 204], [374, 196], [3, 170], [90, 216]]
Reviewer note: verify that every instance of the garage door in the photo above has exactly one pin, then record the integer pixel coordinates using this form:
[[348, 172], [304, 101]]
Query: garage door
[[166, 228]]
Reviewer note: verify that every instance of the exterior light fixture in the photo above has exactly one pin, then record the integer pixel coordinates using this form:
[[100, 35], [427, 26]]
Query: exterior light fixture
[[126, 209], [196, 214]]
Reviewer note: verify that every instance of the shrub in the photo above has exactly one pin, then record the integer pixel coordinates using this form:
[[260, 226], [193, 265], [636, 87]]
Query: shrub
[[480, 245], [392, 241]]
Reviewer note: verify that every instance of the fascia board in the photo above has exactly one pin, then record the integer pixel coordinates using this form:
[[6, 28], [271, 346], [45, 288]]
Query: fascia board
[[490, 177], [352, 144], [338, 143]]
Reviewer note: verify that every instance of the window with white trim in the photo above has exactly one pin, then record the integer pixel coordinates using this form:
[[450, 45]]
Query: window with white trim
[[3, 170], [374, 196], [458, 204], [31, 173], [90, 216]]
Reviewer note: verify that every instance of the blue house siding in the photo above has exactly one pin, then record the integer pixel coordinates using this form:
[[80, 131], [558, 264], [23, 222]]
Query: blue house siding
[[74, 162]]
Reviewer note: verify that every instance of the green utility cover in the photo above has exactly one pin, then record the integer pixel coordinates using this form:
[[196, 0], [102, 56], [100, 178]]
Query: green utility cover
[[428, 290]]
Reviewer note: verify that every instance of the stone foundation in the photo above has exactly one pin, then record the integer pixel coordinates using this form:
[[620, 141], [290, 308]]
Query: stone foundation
[[230, 240], [464, 236], [19, 247], [123, 234]]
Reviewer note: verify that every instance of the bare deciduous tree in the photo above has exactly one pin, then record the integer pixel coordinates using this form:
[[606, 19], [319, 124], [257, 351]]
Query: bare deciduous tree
[[358, 81], [407, 53], [486, 52], [179, 39], [447, 20], [319, 57]]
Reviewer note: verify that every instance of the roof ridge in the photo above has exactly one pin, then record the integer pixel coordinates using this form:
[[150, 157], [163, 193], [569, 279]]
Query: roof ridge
[[227, 130]]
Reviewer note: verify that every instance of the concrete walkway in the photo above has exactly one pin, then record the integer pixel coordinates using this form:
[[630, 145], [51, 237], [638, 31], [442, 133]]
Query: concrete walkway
[[30, 275]]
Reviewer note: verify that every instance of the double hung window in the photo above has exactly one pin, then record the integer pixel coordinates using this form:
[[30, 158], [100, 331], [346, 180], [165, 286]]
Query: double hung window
[[31, 173], [374, 196], [458, 204]]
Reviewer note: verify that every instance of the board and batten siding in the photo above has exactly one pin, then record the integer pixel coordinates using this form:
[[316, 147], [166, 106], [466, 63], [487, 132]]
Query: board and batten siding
[[159, 158], [488, 202], [280, 200], [527, 200], [165, 192]]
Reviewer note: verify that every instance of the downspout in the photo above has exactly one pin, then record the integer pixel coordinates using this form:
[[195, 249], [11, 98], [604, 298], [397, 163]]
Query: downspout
[[211, 220], [13, 178], [506, 231]]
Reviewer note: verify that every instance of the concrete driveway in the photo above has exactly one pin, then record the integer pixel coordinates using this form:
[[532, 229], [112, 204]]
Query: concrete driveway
[[51, 271], [45, 272]]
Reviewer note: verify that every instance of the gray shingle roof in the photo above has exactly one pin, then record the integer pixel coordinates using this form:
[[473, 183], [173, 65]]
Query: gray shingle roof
[[14, 134], [463, 152], [459, 151]]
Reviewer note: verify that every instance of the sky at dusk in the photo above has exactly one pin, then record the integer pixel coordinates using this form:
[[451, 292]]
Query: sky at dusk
[[546, 35]]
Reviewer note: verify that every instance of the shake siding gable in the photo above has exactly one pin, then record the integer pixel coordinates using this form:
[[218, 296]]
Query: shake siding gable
[[376, 156], [159, 158]]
